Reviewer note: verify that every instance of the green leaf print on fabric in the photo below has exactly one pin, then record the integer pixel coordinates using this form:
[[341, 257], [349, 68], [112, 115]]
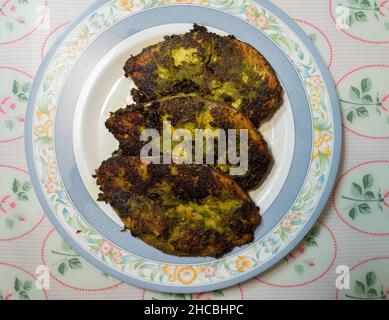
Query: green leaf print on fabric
[[20, 189], [367, 289], [362, 100], [360, 11], [21, 288], [69, 261], [362, 197]]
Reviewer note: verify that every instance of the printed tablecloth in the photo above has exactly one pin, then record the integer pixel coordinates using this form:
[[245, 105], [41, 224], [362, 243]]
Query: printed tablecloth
[[352, 233]]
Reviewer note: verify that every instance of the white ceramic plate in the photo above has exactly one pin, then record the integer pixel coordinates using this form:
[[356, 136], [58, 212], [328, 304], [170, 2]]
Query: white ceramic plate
[[81, 81]]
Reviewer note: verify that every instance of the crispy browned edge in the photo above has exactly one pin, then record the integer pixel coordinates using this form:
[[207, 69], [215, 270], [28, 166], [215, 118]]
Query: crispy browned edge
[[137, 67], [193, 182], [126, 123]]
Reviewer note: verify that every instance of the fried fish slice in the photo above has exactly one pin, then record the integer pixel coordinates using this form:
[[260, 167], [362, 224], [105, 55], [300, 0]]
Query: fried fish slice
[[192, 112], [183, 210], [221, 68]]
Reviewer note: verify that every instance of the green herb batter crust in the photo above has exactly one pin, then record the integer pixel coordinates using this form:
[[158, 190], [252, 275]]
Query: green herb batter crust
[[192, 112], [220, 68], [184, 210]]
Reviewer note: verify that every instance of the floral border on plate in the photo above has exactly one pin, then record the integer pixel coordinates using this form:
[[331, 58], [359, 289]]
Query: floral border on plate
[[73, 262], [296, 251], [169, 274]]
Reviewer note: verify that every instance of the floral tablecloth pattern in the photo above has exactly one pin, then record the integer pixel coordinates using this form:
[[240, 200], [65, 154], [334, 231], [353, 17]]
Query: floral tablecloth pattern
[[353, 39]]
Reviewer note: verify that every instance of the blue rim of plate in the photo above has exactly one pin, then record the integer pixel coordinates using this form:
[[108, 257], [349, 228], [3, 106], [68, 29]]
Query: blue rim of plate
[[275, 258], [72, 87]]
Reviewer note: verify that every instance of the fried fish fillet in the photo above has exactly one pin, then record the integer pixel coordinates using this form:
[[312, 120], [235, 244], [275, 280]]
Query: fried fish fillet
[[221, 68], [192, 112], [183, 210]]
